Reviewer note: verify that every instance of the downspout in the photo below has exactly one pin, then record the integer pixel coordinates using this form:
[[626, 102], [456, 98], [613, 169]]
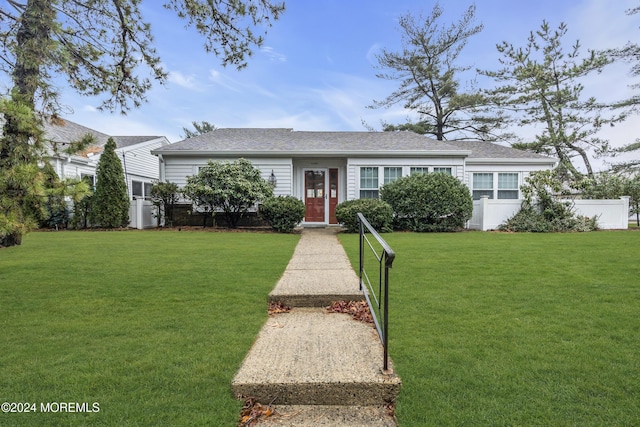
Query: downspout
[[126, 176]]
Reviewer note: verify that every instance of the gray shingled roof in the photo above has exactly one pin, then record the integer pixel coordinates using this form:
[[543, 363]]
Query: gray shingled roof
[[125, 141], [487, 150], [248, 141], [280, 140], [65, 131]]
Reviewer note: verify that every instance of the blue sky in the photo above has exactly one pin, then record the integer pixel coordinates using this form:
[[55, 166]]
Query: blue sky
[[316, 70]]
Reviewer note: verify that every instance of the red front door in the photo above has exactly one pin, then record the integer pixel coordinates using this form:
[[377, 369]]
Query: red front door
[[333, 195], [314, 195]]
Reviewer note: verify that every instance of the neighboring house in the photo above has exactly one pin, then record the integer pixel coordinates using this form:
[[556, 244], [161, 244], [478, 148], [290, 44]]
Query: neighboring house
[[140, 166], [326, 168]]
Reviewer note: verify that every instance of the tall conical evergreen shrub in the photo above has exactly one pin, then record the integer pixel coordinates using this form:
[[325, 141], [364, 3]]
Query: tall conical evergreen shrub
[[111, 201]]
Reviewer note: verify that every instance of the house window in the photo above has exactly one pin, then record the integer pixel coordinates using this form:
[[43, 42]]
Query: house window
[[391, 174], [137, 190], [89, 179], [147, 190], [507, 186], [369, 183], [418, 169], [443, 170], [482, 185]]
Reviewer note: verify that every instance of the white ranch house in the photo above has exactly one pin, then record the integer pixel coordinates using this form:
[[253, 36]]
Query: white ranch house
[[139, 165], [326, 168]]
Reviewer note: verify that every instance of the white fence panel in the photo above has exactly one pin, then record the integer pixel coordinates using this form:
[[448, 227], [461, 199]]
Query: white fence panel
[[612, 214], [488, 214], [142, 214]]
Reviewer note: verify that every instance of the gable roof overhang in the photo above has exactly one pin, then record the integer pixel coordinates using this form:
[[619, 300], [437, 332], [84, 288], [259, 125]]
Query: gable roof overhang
[[280, 142], [312, 153], [511, 161]]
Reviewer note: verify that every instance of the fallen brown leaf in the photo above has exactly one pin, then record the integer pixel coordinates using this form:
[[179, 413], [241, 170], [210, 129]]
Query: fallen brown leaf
[[253, 411], [359, 310], [278, 307]]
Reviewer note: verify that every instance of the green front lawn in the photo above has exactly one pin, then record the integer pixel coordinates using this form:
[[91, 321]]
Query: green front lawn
[[515, 329], [152, 326], [486, 328]]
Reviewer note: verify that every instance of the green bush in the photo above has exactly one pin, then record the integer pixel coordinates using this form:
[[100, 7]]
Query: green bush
[[282, 213], [377, 212], [555, 217], [428, 202], [541, 212]]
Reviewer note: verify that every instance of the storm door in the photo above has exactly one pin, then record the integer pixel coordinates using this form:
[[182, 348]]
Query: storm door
[[314, 195]]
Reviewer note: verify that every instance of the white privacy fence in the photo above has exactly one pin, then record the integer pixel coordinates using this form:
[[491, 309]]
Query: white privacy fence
[[488, 214], [142, 214]]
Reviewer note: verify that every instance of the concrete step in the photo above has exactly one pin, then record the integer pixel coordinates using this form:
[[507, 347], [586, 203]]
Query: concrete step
[[304, 288], [316, 279], [310, 357], [329, 416]]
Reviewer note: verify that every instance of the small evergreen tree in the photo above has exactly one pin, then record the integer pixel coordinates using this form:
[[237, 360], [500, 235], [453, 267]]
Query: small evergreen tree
[[110, 201]]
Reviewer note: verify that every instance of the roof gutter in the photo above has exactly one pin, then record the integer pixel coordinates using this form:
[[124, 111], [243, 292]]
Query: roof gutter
[[317, 153], [493, 161]]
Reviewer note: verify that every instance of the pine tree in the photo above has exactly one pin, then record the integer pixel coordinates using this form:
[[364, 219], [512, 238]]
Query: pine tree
[[99, 47], [428, 74], [541, 85], [110, 201]]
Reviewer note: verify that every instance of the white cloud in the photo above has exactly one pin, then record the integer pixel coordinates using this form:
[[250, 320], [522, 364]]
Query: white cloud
[[187, 82], [274, 56], [374, 50]]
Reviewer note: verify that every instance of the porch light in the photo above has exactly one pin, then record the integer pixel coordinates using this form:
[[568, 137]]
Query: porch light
[[272, 179]]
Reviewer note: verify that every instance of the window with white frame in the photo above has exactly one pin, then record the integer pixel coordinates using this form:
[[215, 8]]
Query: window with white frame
[[391, 174], [418, 169], [482, 185], [369, 183], [141, 190], [443, 170], [495, 185], [137, 190], [507, 186]]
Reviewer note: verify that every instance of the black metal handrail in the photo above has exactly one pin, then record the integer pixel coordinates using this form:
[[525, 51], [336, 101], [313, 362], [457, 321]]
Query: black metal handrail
[[377, 299]]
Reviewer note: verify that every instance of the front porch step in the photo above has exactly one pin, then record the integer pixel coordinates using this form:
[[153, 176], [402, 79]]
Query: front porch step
[[329, 416], [307, 288], [316, 277], [310, 357]]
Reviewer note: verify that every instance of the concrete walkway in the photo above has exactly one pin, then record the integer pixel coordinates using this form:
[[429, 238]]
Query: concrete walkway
[[318, 368]]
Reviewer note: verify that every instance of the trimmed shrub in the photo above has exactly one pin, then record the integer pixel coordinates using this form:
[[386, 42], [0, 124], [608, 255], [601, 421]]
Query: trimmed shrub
[[282, 213], [377, 212], [428, 202]]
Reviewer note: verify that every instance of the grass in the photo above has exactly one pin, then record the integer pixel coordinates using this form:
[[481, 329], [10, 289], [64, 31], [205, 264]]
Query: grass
[[150, 325], [515, 329]]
